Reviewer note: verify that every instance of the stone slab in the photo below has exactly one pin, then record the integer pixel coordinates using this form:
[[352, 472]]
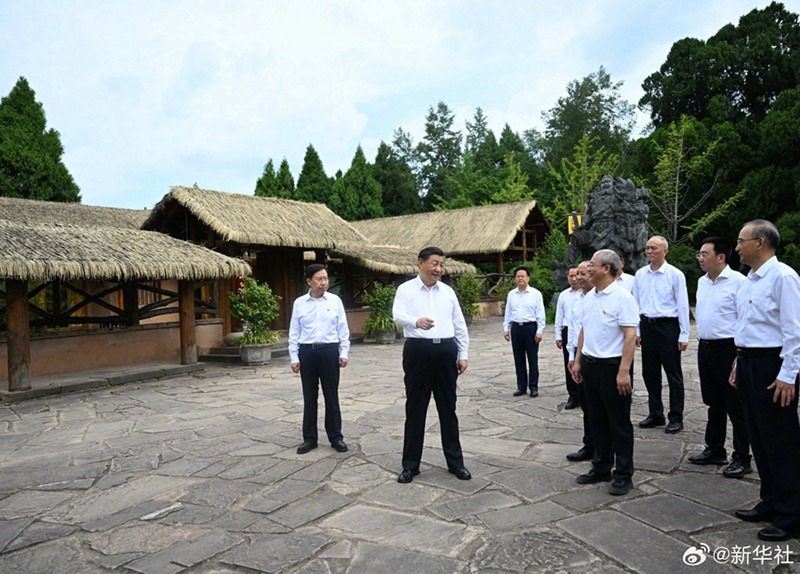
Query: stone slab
[[716, 491], [275, 553], [532, 551], [668, 513], [316, 505], [370, 558], [524, 516]]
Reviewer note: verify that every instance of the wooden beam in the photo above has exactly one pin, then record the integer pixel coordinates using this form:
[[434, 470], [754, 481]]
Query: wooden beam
[[500, 263], [224, 304], [130, 302], [186, 306], [524, 244], [18, 336]]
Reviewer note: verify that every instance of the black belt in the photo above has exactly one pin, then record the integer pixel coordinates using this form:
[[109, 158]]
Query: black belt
[[596, 360], [431, 341], [523, 323], [715, 343], [319, 345], [646, 319], [747, 352]]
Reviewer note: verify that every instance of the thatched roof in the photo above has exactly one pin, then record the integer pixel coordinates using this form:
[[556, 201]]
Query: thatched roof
[[252, 220], [34, 212], [46, 252], [471, 230], [395, 260]]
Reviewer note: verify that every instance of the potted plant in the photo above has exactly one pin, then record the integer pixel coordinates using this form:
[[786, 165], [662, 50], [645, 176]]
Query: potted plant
[[257, 306], [380, 324], [469, 290]]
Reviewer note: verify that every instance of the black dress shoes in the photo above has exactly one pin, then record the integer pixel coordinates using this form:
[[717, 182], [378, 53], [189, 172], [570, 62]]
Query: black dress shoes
[[572, 403], [708, 457], [592, 477], [674, 427], [461, 473], [407, 476], [754, 515], [583, 454], [737, 469], [651, 422], [534, 394], [305, 447], [620, 486], [519, 393], [775, 534], [339, 446]]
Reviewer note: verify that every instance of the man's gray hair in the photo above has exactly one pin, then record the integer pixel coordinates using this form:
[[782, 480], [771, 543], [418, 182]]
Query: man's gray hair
[[767, 230], [662, 238], [610, 258]]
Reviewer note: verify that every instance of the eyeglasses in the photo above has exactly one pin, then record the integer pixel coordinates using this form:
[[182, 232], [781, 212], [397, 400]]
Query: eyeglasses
[[703, 254], [739, 241]]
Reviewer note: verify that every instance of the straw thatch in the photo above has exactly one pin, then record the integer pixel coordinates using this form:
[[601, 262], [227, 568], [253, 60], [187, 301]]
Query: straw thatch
[[266, 221], [46, 252], [395, 260], [34, 212], [471, 230]]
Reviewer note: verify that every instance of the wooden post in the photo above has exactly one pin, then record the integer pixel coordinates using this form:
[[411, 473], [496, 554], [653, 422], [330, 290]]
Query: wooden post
[[186, 306], [524, 244], [500, 263], [224, 304], [130, 302], [18, 336]]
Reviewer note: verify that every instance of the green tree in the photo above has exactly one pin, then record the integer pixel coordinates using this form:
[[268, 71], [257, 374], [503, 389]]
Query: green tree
[[515, 185], [357, 195], [265, 185], [577, 177], [284, 182], [467, 185], [684, 179], [400, 195], [313, 185], [477, 132], [30, 154], [439, 153]]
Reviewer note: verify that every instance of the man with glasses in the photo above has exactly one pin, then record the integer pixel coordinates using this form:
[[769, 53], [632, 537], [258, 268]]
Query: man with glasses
[[716, 320], [660, 292], [767, 337], [566, 302]]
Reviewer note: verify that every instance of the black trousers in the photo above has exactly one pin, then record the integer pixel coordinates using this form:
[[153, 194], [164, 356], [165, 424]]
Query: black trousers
[[572, 387], [660, 349], [714, 363], [523, 344], [320, 367], [609, 416], [430, 368], [774, 435], [588, 440]]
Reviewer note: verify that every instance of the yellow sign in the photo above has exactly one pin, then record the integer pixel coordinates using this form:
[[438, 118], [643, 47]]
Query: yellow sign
[[574, 220]]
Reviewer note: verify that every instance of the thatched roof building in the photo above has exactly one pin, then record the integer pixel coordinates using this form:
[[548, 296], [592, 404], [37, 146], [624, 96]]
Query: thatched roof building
[[47, 252], [34, 212], [394, 260], [485, 233], [251, 220]]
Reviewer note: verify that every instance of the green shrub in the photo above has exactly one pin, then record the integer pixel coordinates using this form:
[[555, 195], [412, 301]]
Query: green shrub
[[257, 307], [380, 301], [469, 291]]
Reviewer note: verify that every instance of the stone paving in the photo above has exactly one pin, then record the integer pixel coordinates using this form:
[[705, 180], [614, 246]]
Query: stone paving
[[199, 474]]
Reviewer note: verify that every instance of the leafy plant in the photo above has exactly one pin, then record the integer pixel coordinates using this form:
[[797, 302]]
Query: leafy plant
[[257, 306], [469, 290], [380, 302]]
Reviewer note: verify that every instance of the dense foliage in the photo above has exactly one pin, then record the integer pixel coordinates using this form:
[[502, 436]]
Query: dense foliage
[[257, 306]]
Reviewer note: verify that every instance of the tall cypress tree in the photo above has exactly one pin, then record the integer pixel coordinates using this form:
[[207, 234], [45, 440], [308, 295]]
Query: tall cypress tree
[[30, 154], [265, 185], [357, 194], [400, 195], [284, 182], [312, 184]]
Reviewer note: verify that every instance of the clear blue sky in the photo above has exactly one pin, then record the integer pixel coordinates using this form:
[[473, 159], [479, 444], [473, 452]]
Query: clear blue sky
[[147, 95]]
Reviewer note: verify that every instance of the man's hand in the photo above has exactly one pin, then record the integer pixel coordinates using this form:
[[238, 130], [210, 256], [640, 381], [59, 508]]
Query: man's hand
[[295, 367], [638, 342], [507, 336], [559, 344], [342, 363], [538, 338], [462, 366], [732, 376], [784, 393], [683, 346], [624, 386], [575, 369], [424, 323]]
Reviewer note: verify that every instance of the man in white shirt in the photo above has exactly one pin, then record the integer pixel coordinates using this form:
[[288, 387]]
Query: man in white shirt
[[624, 279], [566, 301], [586, 452], [523, 326], [602, 362], [434, 354], [767, 338], [663, 300], [319, 341], [716, 320]]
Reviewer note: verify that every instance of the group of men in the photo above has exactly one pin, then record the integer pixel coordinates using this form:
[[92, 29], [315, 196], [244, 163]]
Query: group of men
[[748, 360]]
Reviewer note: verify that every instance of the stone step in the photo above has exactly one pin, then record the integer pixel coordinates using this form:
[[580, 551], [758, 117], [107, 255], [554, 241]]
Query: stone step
[[220, 358]]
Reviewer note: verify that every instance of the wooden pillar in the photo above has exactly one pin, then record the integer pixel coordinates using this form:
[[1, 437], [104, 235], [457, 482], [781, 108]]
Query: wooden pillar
[[186, 306], [18, 335], [224, 304], [130, 302], [524, 244], [500, 263]]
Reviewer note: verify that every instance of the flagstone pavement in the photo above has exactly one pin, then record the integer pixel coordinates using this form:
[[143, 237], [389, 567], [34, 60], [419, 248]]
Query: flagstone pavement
[[199, 473]]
